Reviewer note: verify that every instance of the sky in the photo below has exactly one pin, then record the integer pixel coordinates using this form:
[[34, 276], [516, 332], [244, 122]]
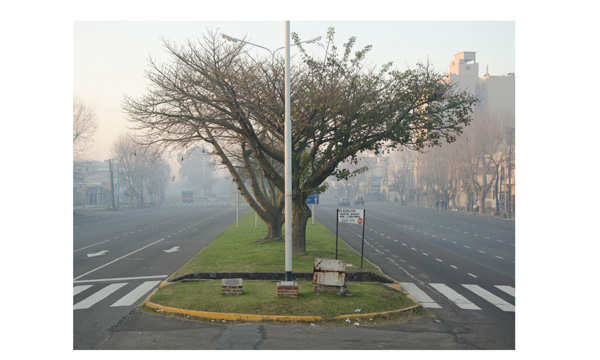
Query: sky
[[110, 57]]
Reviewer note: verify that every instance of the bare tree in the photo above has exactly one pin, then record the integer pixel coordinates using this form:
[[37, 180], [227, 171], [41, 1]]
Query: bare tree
[[142, 170], [482, 146], [84, 128]]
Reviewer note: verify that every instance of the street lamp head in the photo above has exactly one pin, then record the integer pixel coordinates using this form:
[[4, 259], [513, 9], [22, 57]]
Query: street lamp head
[[229, 38], [313, 40]]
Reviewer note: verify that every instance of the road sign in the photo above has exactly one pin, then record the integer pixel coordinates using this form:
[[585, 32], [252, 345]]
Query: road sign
[[351, 216], [313, 199]]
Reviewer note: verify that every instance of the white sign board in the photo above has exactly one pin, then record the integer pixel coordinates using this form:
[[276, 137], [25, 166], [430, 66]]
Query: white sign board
[[351, 216]]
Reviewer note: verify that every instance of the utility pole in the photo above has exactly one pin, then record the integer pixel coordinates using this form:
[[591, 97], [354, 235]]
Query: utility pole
[[112, 184]]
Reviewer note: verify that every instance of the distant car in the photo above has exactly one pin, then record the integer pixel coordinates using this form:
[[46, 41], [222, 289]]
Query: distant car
[[359, 201], [344, 202]]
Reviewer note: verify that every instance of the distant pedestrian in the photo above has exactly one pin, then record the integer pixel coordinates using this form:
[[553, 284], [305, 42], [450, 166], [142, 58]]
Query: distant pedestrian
[[437, 205]]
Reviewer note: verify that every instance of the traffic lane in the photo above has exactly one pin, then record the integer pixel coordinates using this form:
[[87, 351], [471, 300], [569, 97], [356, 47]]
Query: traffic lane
[[129, 238], [442, 249], [488, 252], [177, 248], [417, 265], [121, 221], [479, 251], [129, 256], [407, 256], [486, 226]]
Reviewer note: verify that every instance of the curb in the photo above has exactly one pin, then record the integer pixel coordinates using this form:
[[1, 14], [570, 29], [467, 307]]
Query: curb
[[231, 316], [254, 317]]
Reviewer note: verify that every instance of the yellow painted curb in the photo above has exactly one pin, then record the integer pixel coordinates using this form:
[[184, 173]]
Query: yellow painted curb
[[385, 313], [227, 316]]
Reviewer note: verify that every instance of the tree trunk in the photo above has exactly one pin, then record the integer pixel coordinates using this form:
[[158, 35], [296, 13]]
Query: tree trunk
[[274, 228], [300, 215], [482, 196]]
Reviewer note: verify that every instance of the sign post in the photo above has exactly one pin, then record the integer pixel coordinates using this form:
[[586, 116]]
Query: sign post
[[351, 216]]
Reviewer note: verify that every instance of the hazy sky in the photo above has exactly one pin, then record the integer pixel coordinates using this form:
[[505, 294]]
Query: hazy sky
[[109, 58]]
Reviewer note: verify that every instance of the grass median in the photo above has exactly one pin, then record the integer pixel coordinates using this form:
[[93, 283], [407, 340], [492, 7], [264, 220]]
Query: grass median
[[243, 249]]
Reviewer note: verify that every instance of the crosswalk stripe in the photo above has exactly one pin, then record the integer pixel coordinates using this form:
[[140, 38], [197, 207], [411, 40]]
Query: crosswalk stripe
[[507, 289], [493, 299], [81, 288], [420, 296], [98, 296], [455, 297], [137, 293]]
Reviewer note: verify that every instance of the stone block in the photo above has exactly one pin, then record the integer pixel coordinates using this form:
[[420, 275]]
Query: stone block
[[287, 289], [231, 287]]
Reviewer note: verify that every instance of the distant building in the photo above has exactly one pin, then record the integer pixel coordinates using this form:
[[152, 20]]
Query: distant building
[[495, 93], [91, 183]]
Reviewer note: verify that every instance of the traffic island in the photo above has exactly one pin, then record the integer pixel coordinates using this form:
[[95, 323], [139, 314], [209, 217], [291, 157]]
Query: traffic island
[[196, 290], [259, 302]]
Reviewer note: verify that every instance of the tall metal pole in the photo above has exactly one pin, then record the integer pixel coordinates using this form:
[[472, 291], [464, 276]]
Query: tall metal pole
[[288, 160], [112, 185]]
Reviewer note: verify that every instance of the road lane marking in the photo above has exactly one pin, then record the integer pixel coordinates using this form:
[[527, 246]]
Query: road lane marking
[[455, 297], [122, 279], [491, 298], [98, 296], [452, 266], [137, 293], [472, 275], [80, 288], [420, 296], [507, 289], [117, 259], [102, 242]]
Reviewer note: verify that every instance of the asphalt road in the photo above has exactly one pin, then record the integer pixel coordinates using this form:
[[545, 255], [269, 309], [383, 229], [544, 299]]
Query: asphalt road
[[460, 267], [119, 257]]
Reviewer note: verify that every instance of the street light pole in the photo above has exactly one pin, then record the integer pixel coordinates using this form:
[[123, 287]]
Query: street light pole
[[287, 139], [288, 160]]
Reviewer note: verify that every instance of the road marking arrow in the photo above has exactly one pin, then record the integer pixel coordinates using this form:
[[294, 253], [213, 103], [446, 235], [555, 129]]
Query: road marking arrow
[[176, 248], [103, 252]]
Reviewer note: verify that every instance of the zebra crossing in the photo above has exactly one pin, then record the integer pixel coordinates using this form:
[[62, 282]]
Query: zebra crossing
[[458, 295], [94, 294], [98, 293]]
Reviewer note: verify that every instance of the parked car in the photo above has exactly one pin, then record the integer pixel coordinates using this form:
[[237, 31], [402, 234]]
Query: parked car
[[344, 202], [359, 201]]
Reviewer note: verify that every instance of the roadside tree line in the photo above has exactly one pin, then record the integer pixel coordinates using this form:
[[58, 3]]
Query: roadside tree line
[[463, 173]]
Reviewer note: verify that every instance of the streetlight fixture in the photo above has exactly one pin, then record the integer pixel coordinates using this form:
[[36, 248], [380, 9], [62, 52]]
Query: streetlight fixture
[[233, 39], [287, 139]]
